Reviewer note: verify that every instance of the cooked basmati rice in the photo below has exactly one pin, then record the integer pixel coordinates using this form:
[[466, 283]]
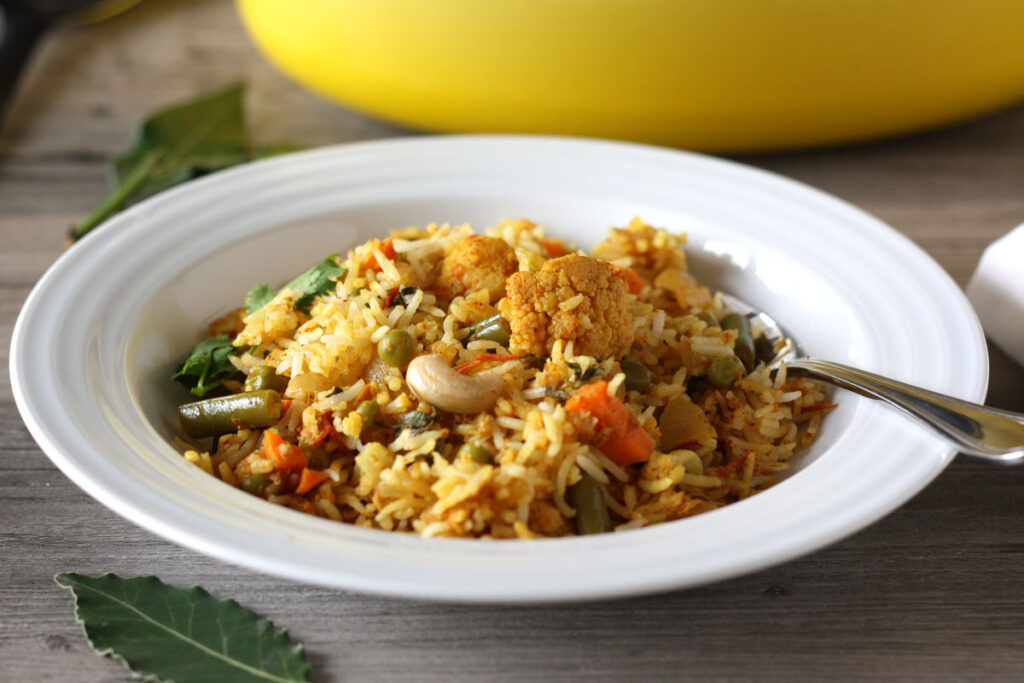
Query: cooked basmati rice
[[406, 468]]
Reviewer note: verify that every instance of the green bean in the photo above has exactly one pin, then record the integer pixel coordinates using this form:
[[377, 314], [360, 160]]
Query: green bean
[[475, 453], [396, 348], [764, 349], [637, 376], [368, 410], [318, 459], [495, 329], [723, 371], [265, 377], [708, 317], [744, 345], [587, 497], [276, 488], [254, 483], [219, 415]]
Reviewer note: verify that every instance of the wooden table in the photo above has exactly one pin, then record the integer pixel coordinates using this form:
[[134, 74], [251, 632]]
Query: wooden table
[[934, 591]]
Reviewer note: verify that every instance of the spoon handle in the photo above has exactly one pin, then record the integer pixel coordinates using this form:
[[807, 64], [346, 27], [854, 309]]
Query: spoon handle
[[989, 433]]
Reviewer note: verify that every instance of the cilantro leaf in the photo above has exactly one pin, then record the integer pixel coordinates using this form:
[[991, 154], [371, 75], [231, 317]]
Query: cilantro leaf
[[316, 281], [163, 633], [207, 365], [258, 297], [413, 420]]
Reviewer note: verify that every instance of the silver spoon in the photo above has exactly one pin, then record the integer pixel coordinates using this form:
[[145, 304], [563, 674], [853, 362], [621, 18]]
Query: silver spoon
[[989, 433]]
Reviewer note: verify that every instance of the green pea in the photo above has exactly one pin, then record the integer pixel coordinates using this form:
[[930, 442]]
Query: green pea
[[318, 459], [587, 497], [723, 371], [254, 483], [744, 344], [396, 348], [475, 453], [637, 376], [708, 317], [764, 349], [264, 377], [368, 410]]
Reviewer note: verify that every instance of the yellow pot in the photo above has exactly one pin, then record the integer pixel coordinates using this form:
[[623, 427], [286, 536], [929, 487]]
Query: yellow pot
[[717, 75]]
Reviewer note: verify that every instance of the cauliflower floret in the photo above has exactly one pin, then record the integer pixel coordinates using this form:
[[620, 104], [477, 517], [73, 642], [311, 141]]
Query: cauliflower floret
[[573, 298], [477, 263]]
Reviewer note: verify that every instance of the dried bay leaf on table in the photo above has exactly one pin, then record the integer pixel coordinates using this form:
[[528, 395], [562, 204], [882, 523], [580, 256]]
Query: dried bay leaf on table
[[163, 633], [177, 144]]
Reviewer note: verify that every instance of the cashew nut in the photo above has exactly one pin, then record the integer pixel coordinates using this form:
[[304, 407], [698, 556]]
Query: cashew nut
[[433, 380]]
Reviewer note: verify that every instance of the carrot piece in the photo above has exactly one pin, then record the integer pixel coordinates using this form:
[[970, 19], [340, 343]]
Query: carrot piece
[[286, 404], [554, 248], [632, 280], [309, 480], [728, 471], [284, 455], [485, 358], [621, 439], [390, 298], [594, 399], [271, 443], [386, 247], [631, 445]]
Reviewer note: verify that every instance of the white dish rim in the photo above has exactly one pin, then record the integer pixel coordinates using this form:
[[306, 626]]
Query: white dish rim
[[175, 522]]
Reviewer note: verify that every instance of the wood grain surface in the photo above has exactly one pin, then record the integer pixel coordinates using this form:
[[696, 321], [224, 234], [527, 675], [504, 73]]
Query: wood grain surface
[[932, 592]]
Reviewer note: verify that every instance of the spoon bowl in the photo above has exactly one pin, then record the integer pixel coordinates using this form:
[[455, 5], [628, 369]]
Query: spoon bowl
[[980, 431]]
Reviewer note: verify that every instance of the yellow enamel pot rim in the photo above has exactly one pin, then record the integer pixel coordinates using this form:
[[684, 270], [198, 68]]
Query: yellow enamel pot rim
[[713, 75]]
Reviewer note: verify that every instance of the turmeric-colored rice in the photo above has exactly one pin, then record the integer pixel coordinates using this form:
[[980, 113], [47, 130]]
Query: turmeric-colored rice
[[570, 323]]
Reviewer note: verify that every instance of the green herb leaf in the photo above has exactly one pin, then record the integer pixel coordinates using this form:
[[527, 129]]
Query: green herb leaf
[[177, 144], [405, 295], [185, 635], [207, 365], [274, 149], [557, 394], [414, 420], [317, 281], [579, 375], [258, 297]]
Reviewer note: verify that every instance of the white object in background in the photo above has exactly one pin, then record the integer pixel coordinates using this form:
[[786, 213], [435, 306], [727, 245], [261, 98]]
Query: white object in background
[[997, 292]]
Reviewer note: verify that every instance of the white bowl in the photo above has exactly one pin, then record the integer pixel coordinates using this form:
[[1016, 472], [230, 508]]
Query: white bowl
[[99, 337]]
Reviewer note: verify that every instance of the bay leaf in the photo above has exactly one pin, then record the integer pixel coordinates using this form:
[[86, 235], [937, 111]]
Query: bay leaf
[[163, 633], [180, 143]]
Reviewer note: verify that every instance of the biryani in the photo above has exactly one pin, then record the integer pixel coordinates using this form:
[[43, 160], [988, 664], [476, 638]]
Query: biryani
[[499, 385]]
